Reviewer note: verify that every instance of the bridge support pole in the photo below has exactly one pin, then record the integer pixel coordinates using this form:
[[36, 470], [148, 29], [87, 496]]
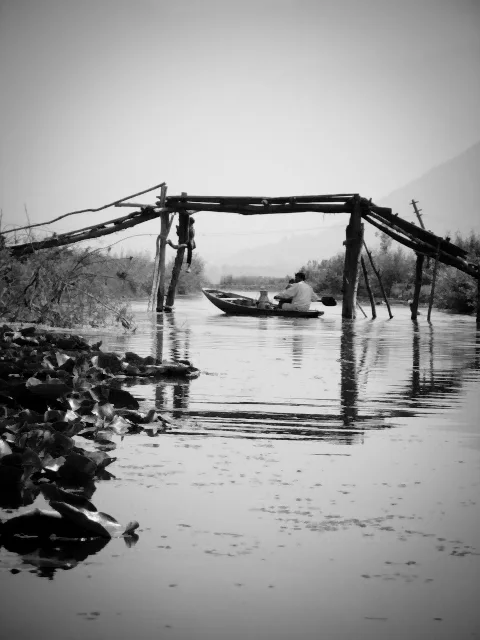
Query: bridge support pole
[[418, 285], [182, 239], [353, 250]]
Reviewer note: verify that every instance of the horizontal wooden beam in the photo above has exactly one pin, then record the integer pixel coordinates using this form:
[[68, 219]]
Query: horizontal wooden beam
[[255, 210], [244, 200]]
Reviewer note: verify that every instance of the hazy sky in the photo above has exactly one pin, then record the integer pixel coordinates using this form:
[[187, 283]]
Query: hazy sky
[[102, 98]]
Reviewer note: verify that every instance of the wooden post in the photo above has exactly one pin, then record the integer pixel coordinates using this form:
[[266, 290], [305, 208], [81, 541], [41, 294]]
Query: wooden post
[[379, 280], [478, 297], [156, 269], [369, 290], [182, 239], [156, 296], [434, 279], [353, 249], [418, 285], [417, 211]]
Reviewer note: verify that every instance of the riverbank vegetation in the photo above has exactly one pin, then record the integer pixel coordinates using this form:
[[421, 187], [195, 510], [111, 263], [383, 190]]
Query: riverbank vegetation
[[67, 287], [454, 290]]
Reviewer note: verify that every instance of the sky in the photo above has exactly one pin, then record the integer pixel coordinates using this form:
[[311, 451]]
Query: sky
[[104, 98]]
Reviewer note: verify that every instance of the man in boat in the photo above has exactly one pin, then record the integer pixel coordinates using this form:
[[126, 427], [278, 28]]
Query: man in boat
[[299, 294]]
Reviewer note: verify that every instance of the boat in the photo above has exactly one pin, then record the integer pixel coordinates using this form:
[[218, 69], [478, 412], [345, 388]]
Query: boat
[[238, 305]]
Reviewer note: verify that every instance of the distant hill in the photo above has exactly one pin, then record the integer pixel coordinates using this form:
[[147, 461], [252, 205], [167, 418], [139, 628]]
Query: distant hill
[[286, 256], [449, 196]]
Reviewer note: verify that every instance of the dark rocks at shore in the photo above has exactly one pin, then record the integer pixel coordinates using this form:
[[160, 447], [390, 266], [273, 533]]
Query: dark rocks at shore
[[62, 410]]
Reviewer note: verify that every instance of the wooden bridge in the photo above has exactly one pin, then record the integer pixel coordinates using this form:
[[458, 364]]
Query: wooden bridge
[[423, 242]]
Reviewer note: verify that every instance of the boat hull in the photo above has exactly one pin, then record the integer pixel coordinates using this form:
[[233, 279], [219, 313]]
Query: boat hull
[[238, 305]]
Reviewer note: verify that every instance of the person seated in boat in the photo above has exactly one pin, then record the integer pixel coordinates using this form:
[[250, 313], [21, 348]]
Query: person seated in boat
[[282, 302], [299, 293]]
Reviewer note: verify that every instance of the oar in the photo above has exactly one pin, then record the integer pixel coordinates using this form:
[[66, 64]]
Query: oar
[[328, 301]]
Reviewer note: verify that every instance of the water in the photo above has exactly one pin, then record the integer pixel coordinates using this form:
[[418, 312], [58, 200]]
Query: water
[[320, 481]]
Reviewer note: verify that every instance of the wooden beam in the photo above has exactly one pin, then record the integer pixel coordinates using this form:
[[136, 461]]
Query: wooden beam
[[421, 234], [89, 233], [426, 249], [353, 250], [245, 200], [255, 210]]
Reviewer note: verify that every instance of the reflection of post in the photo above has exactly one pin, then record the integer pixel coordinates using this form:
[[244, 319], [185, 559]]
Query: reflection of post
[[348, 374], [297, 350], [181, 390], [159, 389], [416, 361]]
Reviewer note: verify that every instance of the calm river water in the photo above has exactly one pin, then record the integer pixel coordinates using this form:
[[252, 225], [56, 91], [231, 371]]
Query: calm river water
[[321, 480]]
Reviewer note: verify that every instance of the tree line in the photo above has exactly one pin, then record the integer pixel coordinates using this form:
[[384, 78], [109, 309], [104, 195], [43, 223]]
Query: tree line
[[454, 290], [70, 286]]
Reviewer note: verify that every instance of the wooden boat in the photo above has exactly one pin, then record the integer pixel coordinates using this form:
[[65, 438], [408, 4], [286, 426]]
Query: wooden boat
[[235, 304]]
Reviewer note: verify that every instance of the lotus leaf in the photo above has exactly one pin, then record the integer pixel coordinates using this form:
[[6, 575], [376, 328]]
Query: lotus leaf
[[119, 425], [5, 449], [97, 523], [52, 492]]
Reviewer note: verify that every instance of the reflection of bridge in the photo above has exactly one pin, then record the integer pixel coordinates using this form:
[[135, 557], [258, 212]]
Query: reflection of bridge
[[254, 419]]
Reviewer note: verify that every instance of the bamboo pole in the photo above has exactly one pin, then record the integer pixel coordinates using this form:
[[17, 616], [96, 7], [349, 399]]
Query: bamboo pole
[[353, 250], [182, 240], [375, 271], [418, 285], [361, 309], [369, 289], [432, 289]]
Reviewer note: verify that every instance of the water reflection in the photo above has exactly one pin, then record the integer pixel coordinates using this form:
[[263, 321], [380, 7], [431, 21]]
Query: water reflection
[[324, 379], [172, 343], [48, 556]]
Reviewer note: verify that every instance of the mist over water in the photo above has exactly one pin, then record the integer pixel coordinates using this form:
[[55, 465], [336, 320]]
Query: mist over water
[[320, 480]]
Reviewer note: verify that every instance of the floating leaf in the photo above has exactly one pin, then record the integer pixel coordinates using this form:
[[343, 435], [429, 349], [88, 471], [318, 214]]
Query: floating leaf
[[98, 523], [52, 492], [104, 410], [119, 425]]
